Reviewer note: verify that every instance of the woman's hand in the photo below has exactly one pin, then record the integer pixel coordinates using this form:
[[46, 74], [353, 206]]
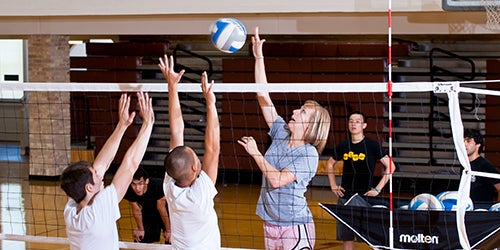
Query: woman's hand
[[249, 145], [257, 45]]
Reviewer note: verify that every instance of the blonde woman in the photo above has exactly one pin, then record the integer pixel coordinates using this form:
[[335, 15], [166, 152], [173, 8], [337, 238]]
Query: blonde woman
[[287, 166]]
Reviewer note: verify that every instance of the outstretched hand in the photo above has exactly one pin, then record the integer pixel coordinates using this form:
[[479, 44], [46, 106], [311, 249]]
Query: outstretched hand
[[167, 68], [249, 145], [207, 88], [257, 44], [125, 117], [145, 107]]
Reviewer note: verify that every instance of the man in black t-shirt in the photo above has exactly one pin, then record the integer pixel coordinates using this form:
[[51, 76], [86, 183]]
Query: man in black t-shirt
[[149, 208], [359, 155], [482, 189]]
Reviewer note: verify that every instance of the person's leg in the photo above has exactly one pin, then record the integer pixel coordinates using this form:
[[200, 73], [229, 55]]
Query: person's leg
[[272, 236], [348, 245], [347, 236], [299, 237], [344, 233]]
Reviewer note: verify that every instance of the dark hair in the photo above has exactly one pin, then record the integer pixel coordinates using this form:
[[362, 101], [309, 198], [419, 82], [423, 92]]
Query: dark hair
[[74, 178], [140, 173], [177, 162], [359, 113], [477, 136]]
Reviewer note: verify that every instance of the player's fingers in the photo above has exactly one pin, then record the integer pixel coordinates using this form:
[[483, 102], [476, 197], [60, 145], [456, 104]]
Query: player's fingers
[[246, 139], [160, 64], [122, 101], [211, 86], [242, 143], [142, 100], [180, 75], [171, 63]]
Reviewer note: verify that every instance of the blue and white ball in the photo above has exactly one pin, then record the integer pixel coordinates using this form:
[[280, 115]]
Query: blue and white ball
[[449, 200], [495, 207], [425, 201], [228, 34]]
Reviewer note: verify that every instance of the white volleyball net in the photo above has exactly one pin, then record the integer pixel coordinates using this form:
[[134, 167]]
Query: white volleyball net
[[58, 123], [492, 8]]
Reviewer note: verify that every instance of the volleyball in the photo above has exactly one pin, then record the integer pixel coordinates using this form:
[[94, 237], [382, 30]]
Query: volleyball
[[495, 207], [442, 194], [425, 201], [449, 200], [481, 210], [228, 34]]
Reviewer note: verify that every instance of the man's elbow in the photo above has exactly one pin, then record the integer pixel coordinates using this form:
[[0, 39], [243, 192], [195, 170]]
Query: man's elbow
[[131, 164]]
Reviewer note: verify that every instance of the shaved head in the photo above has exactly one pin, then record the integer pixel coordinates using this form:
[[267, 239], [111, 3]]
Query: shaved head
[[178, 163]]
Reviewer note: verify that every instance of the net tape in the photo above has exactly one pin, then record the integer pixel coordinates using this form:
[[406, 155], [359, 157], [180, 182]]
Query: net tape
[[367, 87], [452, 88], [65, 241], [225, 87]]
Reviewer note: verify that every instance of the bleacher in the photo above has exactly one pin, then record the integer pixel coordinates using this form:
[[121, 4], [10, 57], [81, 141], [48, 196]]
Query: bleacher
[[421, 150], [94, 115]]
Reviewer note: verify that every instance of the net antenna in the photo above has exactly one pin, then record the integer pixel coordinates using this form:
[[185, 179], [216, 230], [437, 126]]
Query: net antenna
[[492, 8], [389, 96]]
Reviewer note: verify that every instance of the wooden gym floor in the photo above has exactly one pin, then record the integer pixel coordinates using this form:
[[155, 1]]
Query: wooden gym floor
[[35, 207]]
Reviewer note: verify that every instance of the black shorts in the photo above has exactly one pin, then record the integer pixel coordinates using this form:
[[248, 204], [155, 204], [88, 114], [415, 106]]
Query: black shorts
[[343, 232]]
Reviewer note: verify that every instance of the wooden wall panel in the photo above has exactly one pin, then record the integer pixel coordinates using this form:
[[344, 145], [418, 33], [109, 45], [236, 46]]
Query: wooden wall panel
[[127, 49], [105, 76]]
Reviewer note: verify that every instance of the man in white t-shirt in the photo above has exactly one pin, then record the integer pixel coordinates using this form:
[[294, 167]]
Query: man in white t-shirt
[[190, 185], [92, 210]]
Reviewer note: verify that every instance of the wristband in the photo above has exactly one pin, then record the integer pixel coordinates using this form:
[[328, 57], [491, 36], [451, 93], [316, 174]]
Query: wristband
[[376, 190]]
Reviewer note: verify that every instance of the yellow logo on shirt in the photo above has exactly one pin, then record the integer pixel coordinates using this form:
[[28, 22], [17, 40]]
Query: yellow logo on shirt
[[354, 157]]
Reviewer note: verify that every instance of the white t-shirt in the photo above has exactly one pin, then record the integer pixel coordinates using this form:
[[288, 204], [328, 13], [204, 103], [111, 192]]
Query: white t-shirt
[[193, 219], [94, 227]]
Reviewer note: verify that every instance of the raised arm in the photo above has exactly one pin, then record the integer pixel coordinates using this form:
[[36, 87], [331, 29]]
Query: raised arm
[[212, 133], [108, 151], [174, 106], [265, 102], [135, 152]]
